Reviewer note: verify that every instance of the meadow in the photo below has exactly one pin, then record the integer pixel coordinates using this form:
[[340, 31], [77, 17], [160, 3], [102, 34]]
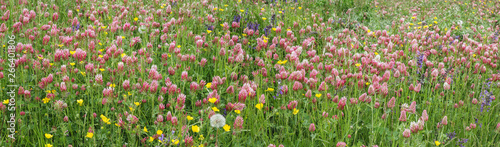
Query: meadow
[[275, 73]]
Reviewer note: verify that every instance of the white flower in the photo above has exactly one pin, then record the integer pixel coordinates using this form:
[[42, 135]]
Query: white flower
[[459, 22], [217, 121], [142, 29]]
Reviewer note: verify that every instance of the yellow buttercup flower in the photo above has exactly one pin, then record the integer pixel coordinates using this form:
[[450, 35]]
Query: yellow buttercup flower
[[159, 132], [71, 52], [212, 100], [270, 89], [72, 64], [367, 83], [5, 101], [195, 128], [241, 10], [437, 143], [208, 85], [175, 141], [151, 139], [263, 18], [145, 129], [295, 111], [48, 136], [237, 111], [215, 109], [137, 103], [209, 31], [89, 135], [227, 128], [80, 102], [135, 19], [45, 100], [259, 106], [189, 117], [282, 62], [318, 95], [357, 64], [48, 145]]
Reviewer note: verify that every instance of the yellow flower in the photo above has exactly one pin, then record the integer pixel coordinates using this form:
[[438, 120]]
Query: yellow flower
[[263, 18], [60, 45], [435, 18], [129, 93], [221, 9], [71, 52], [137, 103], [103, 27], [178, 46], [201, 145], [295, 111], [116, 124], [242, 10], [318, 95], [48, 136], [244, 35], [112, 85], [274, 29], [237, 111], [145, 129], [225, 5], [80, 102], [48, 145], [282, 62], [435, 22], [212, 100], [89, 135], [123, 54], [357, 64], [189, 117], [175, 141], [208, 85], [51, 64], [101, 69], [123, 37], [83, 73], [5, 101], [151, 139], [227, 128], [300, 8], [411, 24], [53, 91], [195, 128], [159, 132], [259, 106], [376, 53], [280, 12], [367, 83], [437, 143], [209, 31], [77, 10], [412, 17], [270, 89], [215, 109], [105, 119], [131, 109], [45, 100], [135, 19], [72, 64], [473, 55]]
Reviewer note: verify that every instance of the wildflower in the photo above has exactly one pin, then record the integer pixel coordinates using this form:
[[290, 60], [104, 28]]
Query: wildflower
[[189, 118], [259, 106], [48, 136], [105, 119], [318, 95], [101, 69], [212, 100], [227, 128], [312, 127], [263, 18], [437, 143], [83, 73], [145, 129], [357, 64], [300, 8], [282, 62], [217, 121], [295, 111], [195, 128], [209, 31], [175, 141], [72, 64], [135, 19], [89, 135], [270, 89], [45, 100], [151, 139], [367, 83], [241, 10], [159, 132], [237, 111], [80, 102], [208, 85], [215, 109], [5, 101], [137, 103]]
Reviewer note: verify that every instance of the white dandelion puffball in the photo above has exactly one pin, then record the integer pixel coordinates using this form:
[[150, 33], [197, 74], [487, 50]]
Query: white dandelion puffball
[[217, 121]]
